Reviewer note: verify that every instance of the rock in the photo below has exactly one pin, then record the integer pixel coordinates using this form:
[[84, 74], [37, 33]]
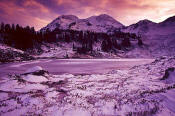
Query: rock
[[34, 69], [169, 76], [167, 73], [33, 78], [37, 70], [54, 84], [40, 73]]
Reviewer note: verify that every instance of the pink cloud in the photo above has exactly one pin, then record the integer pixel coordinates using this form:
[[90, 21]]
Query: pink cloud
[[40, 12]]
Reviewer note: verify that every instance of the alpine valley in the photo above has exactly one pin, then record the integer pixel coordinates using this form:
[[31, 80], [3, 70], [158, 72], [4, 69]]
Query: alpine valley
[[88, 67], [95, 37]]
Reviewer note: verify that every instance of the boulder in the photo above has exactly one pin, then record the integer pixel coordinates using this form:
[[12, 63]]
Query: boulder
[[34, 69]]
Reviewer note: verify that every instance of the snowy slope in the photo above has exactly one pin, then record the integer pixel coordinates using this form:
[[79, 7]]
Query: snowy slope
[[62, 22], [101, 23], [166, 27], [5, 47], [65, 50], [9, 54], [158, 37], [143, 26], [147, 27], [58, 51], [139, 91]]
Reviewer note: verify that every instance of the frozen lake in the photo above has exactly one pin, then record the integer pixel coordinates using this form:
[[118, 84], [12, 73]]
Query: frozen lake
[[73, 66]]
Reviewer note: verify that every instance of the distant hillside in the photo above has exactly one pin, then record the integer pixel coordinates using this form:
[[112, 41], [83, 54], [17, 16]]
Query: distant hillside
[[97, 36], [78, 43], [159, 37]]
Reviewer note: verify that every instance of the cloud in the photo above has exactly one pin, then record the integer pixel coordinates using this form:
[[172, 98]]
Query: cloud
[[35, 5], [38, 13], [25, 13]]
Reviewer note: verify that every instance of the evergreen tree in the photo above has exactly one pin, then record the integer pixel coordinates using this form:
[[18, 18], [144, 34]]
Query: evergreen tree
[[7, 28], [140, 43], [2, 27], [126, 42]]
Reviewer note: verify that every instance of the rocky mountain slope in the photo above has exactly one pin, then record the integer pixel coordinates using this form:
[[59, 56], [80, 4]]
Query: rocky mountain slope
[[140, 27], [147, 27], [101, 23], [71, 33], [9, 54], [159, 37]]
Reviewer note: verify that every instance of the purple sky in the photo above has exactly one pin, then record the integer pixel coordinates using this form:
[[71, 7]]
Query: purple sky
[[39, 13]]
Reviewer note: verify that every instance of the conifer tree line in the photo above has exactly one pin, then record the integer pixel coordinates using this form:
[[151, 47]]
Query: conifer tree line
[[25, 38]]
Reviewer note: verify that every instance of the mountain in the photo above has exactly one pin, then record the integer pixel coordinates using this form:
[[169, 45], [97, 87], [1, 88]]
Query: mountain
[[62, 22], [170, 20], [101, 23], [147, 27], [105, 23], [166, 27], [159, 37], [154, 40], [142, 26]]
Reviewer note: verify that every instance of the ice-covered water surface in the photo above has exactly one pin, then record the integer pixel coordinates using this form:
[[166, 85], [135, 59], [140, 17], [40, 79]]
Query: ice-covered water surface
[[73, 66], [140, 91]]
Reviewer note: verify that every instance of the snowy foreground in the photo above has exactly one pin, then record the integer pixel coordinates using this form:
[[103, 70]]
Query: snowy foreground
[[140, 91]]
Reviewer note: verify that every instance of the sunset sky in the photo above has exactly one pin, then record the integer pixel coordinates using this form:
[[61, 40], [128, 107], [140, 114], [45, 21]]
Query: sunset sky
[[39, 13]]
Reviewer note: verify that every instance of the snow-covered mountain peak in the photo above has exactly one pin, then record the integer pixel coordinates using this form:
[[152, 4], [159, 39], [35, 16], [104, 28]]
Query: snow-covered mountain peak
[[62, 22], [106, 19], [102, 17], [68, 17], [142, 26], [148, 27], [101, 23]]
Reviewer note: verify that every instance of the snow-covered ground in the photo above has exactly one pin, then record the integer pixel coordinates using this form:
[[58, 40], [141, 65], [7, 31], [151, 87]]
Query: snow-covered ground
[[159, 38], [59, 51], [5, 47], [10, 54], [65, 50], [139, 91]]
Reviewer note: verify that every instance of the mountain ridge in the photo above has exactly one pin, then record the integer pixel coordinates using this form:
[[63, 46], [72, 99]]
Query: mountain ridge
[[105, 23], [100, 23], [148, 27], [150, 39]]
